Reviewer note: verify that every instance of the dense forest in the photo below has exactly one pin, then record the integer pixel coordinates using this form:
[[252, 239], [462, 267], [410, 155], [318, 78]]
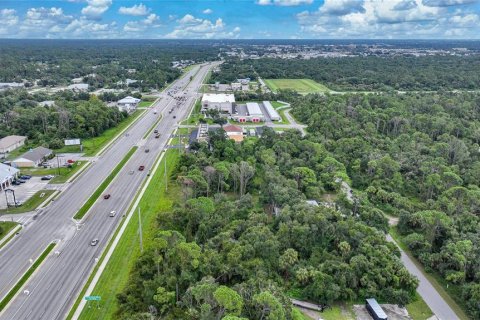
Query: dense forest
[[415, 156], [98, 63], [242, 239], [72, 116], [371, 73]]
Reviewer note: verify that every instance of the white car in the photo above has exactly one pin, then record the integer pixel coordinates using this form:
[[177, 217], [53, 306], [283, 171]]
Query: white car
[[113, 213]]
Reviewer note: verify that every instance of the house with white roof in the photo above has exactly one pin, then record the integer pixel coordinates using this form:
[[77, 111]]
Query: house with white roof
[[128, 104], [10, 143], [7, 175]]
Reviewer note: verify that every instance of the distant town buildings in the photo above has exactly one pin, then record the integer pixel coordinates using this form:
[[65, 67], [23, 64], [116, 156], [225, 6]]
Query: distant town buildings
[[11, 85], [128, 104], [78, 87]]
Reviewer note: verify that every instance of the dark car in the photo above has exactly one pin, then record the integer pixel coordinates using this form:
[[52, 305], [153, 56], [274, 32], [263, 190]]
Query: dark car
[[106, 196], [16, 183], [174, 117], [141, 168], [157, 136], [21, 180], [49, 177], [147, 150], [25, 177], [155, 131]]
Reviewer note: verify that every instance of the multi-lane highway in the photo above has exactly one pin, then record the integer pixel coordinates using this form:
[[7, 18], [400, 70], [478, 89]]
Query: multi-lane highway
[[54, 286]]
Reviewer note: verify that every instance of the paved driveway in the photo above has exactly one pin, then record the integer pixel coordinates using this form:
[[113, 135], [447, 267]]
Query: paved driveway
[[23, 192]]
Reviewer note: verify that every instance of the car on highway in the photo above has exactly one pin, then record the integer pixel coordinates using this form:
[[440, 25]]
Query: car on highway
[[157, 136], [106, 196], [130, 172], [155, 131], [141, 168], [147, 150], [174, 117], [112, 213], [49, 177], [94, 242]]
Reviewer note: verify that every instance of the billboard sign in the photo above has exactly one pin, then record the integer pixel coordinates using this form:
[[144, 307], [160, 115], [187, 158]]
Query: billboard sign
[[72, 142]]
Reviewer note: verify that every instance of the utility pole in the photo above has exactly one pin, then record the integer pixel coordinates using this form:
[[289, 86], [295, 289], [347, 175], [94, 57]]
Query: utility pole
[[140, 229]]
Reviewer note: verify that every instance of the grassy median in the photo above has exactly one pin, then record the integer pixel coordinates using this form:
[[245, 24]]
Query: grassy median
[[6, 227], [31, 204], [115, 276], [89, 203], [25, 277]]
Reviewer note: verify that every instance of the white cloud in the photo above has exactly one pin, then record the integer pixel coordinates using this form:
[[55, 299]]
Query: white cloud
[[194, 28], [152, 21], [207, 11], [284, 3], [96, 8], [447, 3], [40, 21], [136, 10], [9, 20], [386, 19]]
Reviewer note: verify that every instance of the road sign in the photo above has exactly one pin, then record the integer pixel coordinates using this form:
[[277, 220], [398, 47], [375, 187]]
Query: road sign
[[93, 298]]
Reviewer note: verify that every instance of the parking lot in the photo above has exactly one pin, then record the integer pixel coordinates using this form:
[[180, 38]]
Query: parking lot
[[63, 159], [22, 192]]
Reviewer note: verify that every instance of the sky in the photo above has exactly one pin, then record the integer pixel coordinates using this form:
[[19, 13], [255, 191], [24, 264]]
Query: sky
[[240, 19]]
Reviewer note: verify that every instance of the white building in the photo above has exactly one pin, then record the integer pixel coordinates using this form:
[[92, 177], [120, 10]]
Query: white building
[[77, 80], [78, 87], [7, 175], [128, 104], [47, 103], [272, 113], [10, 143], [218, 101], [11, 85], [32, 158], [254, 112]]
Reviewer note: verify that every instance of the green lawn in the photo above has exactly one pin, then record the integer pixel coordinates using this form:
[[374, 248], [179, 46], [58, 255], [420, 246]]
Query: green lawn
[[336, 313], [302, 86], [115, 276], [196, 115], [418, 309], [93, 145], [5, 228], [277, 104], [89, 203], [145, 104], [61, 174], [31, 204]]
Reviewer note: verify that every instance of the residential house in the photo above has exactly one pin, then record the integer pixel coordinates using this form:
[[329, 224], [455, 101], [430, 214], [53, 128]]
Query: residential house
[[234, 132], [10, 143], [32, 158]]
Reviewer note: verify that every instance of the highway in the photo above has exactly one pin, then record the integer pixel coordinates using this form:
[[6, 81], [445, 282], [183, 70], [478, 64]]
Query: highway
[[54, 286]]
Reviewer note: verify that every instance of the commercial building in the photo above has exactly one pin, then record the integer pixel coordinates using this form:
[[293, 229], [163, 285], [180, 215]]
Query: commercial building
[[272, 113], [222, 102], [128, 104], [7, 175], [254, 112], [10, 143], [32, 158]]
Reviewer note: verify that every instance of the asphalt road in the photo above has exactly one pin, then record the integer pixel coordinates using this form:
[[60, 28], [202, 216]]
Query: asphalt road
[[55, 285]]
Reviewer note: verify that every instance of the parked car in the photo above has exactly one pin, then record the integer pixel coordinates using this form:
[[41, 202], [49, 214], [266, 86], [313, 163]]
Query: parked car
[[106, 196], [21, 180], [141, 168], [94, 242], [49, 177], [112, 213], [16, 183], [25, 177], [71, 161]]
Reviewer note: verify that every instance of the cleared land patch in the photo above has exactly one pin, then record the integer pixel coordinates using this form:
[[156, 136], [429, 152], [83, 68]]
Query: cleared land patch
[[303, 86]]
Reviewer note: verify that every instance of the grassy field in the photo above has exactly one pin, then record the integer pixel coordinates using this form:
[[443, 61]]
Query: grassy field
[[5, 228], [61, 174], [84, 209], [302, 86], [145, 104], [93, 145], [31, 204], [25, 277], [418, 309], [451, 294], [336, 313], [115, 275]]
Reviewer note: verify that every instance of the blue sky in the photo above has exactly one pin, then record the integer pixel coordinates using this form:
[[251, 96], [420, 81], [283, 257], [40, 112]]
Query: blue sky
[[286, 19]]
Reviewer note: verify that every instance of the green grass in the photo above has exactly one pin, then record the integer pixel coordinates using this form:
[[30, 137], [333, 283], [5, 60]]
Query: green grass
[[418, 309], [145, 104], [61, 174], [335, 313], [451, 294], [6, 227], [115, 276], [89, 203], [298, 315], [93, 145], [31, 204], [302, 86], [196, 115], [25, 277], [277, 104]]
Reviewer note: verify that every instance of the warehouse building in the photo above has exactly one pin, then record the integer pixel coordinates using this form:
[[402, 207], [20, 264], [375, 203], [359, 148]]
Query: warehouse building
[[222, 102], [272, 113]]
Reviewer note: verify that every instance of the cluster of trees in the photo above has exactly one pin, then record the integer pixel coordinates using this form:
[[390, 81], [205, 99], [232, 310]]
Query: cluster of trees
[[416, 156], [372, 73], [72, 116], [56, 62], [242, 240]]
